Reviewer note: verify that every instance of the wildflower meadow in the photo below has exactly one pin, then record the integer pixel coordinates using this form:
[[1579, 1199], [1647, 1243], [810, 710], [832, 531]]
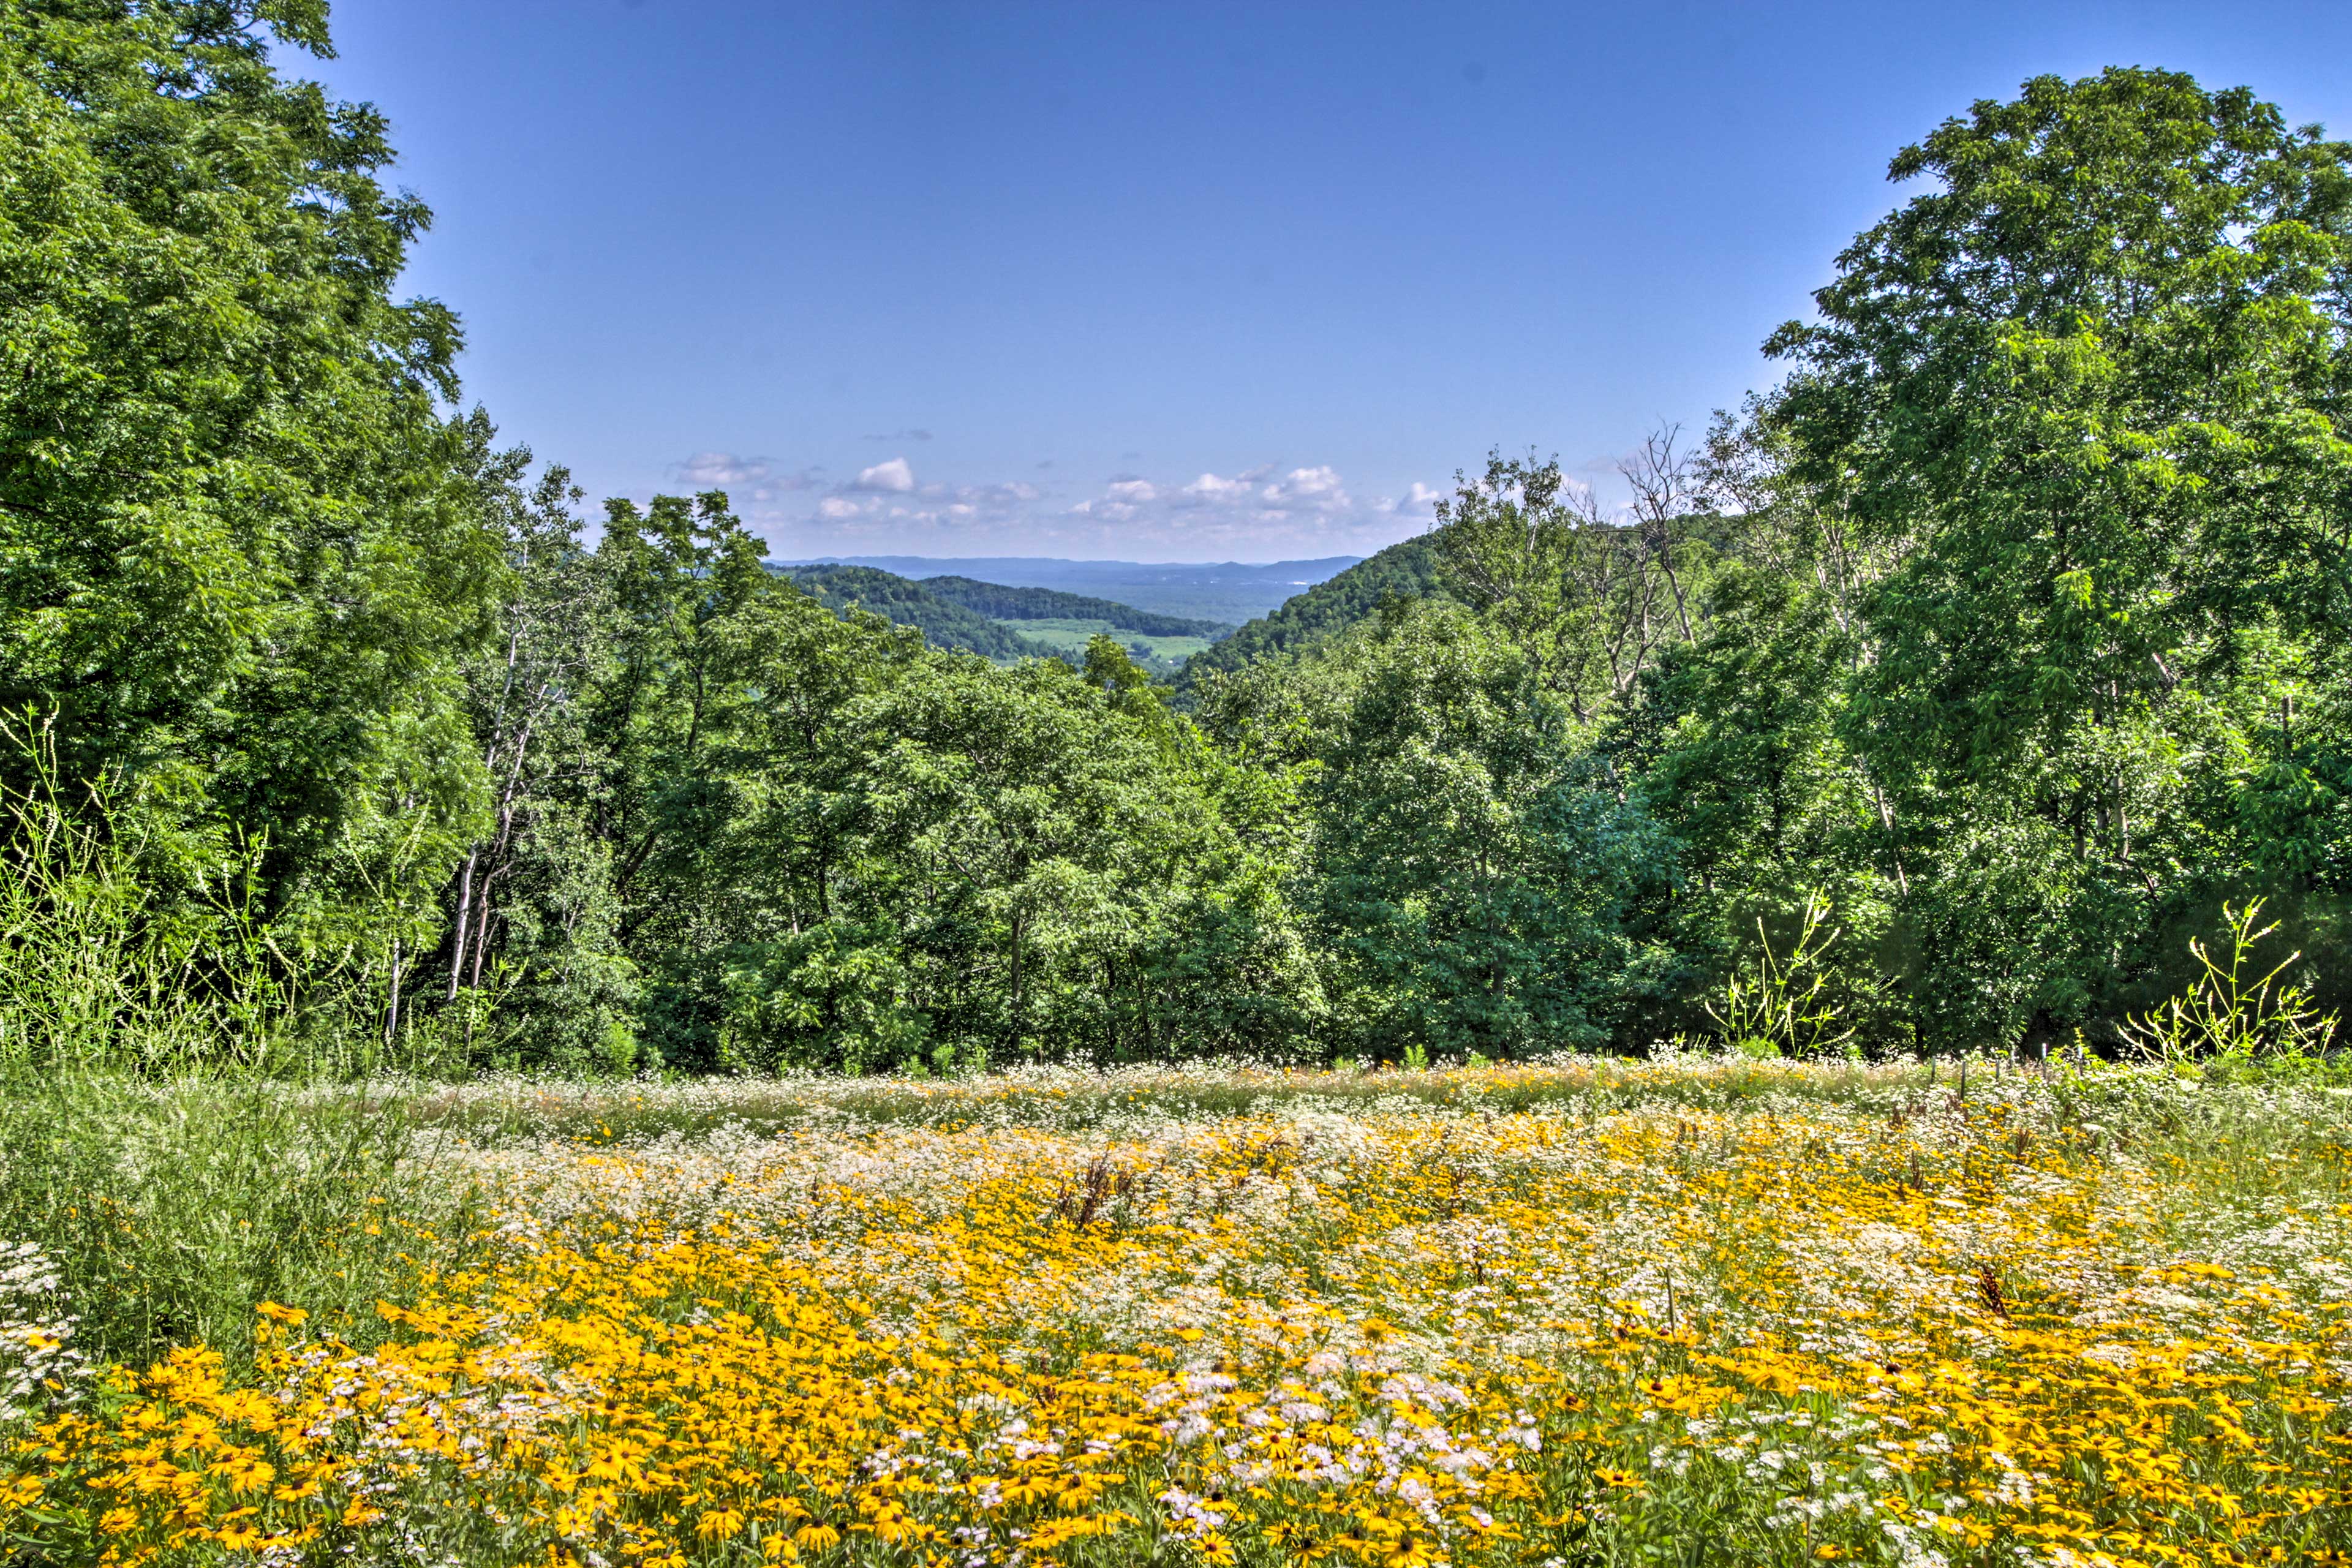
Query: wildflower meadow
[[1697, 1309], [1770, 993]]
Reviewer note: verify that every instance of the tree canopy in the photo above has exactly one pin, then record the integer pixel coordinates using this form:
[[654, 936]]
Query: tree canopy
[[1981, 660], [240, 550]]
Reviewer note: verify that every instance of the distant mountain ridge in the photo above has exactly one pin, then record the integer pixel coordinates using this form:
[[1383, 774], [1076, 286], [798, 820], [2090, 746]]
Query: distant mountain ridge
[[1230, 592]]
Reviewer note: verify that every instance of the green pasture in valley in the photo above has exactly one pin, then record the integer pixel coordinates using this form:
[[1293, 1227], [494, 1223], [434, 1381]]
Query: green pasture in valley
[[1072, 635]]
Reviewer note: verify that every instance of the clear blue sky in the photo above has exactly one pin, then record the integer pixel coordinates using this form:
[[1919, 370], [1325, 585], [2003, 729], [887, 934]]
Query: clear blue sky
[[1161, 281]]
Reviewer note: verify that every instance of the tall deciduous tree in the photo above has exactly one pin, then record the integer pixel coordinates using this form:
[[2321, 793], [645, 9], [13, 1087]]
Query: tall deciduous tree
[[1592, 600], [239, 554], [1478, 883], [2099, 373]]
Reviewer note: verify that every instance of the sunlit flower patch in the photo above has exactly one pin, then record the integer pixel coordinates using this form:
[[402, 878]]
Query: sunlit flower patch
[[1388, 1329]]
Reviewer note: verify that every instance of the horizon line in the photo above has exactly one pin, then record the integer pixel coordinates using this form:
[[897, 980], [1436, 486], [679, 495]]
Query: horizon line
[[1056, 560]]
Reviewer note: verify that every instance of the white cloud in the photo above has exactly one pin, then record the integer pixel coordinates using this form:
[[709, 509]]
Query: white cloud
[[726, 471], [1258, 514], [1316, 489], [896, 477], [1211, 490], [1417, 500]]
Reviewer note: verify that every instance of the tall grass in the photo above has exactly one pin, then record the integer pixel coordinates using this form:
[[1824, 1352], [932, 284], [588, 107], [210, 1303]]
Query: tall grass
[[97, 973], [151, 1147], [170, 1209], [127, 949]]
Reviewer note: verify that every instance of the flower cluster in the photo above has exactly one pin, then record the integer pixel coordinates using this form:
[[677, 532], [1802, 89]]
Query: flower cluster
[[38, 1365], [1391, 1328]]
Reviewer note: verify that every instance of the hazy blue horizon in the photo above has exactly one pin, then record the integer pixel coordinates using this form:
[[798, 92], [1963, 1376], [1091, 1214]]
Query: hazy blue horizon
[[1232, 591], [951, 565]]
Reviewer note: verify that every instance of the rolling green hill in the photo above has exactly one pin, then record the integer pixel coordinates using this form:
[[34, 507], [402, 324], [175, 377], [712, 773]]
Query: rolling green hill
[[1163, 657], [999, 602], [1407, 569], [1003, 623], [1230, 591], [944, 624]]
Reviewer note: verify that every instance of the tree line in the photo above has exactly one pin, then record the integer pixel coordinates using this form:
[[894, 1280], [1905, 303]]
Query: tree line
[[2009, 628]]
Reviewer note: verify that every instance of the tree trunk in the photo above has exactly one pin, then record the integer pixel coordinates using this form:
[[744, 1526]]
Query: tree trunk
[[458, 929], [392, 1002]]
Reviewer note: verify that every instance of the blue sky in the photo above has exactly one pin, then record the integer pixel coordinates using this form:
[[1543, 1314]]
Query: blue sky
[[1170, 282]]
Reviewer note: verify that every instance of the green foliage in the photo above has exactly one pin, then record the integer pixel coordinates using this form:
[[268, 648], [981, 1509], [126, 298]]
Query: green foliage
[[2233, 1015], [1480, 885], [102, 970], [2084, 397], [1592, 601], [93, 974], [238, 561], [1008, 861], [170, 1209], [1405, 570], [762, 835], [1786, 1006]]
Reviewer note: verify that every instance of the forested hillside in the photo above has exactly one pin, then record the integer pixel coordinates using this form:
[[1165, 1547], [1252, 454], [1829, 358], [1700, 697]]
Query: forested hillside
[[1001, 603], [1228, 593], [959, 614], [945, 623], [1406, 569], [1965, 672]]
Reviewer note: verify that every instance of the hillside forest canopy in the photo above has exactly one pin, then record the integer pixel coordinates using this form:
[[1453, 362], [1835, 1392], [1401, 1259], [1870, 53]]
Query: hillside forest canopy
[[1973, 665]]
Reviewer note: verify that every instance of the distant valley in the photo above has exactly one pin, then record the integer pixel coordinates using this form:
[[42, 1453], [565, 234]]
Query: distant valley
[[1005, 621], [1229, 592]]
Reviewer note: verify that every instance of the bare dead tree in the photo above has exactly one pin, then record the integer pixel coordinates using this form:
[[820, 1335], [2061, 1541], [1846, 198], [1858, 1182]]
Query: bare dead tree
[[1664, 479], [550, 641]]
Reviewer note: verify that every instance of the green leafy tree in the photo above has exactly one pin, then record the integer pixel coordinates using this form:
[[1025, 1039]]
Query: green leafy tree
[[667, 712], [240, 557], [811, 966], [532, 972], [1479, 885], [2094, 379], [938, 859], [1591, 601]]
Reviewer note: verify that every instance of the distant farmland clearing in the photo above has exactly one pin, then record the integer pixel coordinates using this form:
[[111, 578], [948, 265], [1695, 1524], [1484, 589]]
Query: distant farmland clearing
[[1073, 634]]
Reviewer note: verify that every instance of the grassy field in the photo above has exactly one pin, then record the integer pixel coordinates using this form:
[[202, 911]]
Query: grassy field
[[1696, 1309], [1072, 635]]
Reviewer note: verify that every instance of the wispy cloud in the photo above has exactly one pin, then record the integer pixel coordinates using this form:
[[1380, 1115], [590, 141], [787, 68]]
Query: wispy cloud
[[712, 471], [1266, 512], [752, 478]]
